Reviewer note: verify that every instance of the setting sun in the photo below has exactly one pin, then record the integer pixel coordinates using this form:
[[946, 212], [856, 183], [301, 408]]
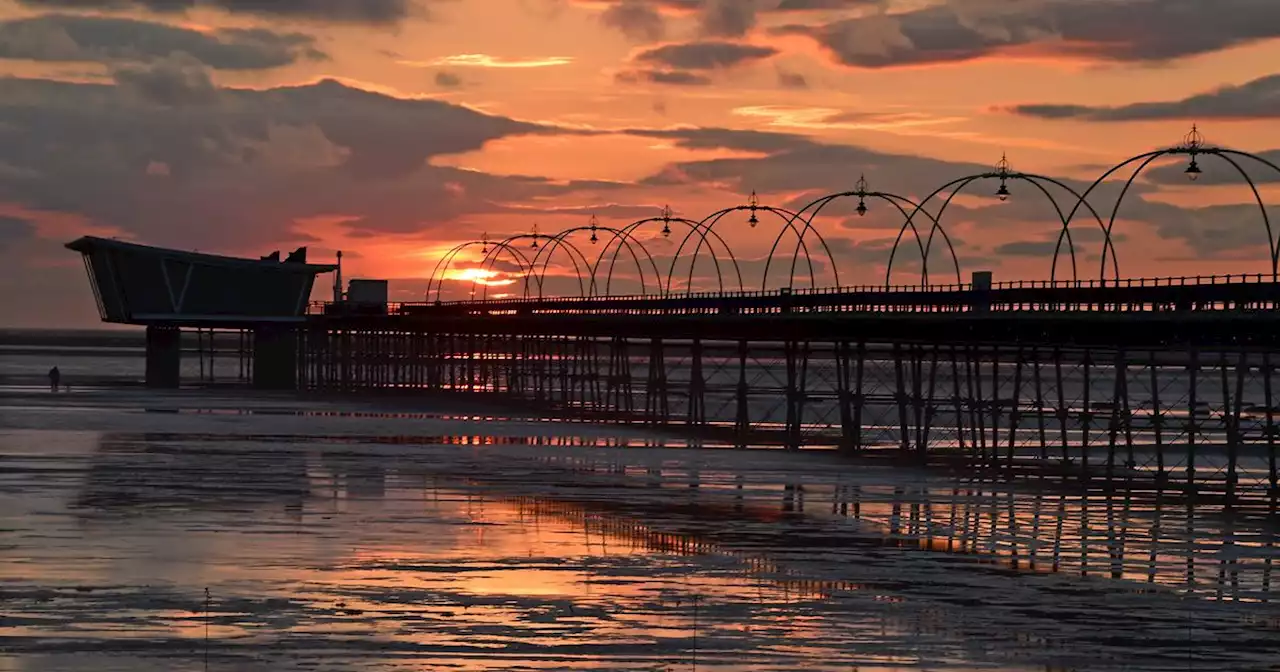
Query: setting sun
[[479, 276]]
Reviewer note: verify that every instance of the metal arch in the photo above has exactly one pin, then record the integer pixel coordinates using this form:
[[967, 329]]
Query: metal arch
[[1147, 158], [1262, 206], [958, 185], [447, 255], [492, 258], [702, 232], [787, 224], [934, 227], [622, 237], [447, 261], [1035, 181], [561, 238], [711, 220], [709, 223], [893, 199], [573, 249], [444, 263]]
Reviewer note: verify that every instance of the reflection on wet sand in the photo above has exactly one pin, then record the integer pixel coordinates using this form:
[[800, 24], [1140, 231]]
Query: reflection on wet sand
[[496, 555]]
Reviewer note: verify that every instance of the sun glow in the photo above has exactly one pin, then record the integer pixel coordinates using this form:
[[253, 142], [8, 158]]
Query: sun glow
[[479, 276]]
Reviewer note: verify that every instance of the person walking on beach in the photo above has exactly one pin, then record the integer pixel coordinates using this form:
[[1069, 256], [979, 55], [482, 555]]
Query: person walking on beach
[[55, 376]]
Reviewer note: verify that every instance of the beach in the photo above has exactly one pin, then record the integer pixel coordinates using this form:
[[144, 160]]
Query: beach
[[376, 534]]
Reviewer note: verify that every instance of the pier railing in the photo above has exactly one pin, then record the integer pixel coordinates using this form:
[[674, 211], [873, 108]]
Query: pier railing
[[1181, 293]]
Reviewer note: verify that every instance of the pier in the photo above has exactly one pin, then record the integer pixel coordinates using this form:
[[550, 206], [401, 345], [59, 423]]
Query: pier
[[1168, 383]]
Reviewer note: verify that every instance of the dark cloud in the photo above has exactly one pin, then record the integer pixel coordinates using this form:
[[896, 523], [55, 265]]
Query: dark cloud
[[636, 19], [795, 163], [71, 38], [14, 229], [728, 18], [1105, 30], [1257, 99], [642, 20], [1028, 248], [792, 80], [1217, 231], [704, 55], [1025, 226], [676, 77], [448, 80], [238, 172], [826, 5], [175, 81], [344, 11]]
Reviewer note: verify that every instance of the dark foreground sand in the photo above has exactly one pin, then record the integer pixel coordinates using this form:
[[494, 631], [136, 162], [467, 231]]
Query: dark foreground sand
[[374, 535]]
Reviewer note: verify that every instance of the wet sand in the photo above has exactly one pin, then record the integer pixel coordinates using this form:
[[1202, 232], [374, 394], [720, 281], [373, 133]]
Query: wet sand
[[364, 534]]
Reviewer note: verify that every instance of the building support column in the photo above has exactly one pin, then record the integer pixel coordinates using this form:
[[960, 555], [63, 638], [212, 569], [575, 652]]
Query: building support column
[[275, 358], [164, 357]]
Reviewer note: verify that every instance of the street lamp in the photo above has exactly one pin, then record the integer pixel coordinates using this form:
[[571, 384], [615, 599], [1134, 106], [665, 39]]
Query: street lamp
[[594, 238], [753, 203], [861, 189], [1002, 171], [1192, 144], [666, 221]]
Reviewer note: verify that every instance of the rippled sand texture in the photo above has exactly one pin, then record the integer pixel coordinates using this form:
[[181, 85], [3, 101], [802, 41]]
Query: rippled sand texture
[[346, 539]]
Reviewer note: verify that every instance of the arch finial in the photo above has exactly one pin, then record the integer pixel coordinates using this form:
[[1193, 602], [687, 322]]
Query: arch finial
[[1193, 141]]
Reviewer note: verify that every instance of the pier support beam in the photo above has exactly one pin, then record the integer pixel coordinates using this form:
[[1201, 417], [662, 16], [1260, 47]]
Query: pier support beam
[[275, 358], [164, 357]]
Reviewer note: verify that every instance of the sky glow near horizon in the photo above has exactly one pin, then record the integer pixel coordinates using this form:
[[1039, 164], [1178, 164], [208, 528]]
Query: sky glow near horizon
[[395, 129]]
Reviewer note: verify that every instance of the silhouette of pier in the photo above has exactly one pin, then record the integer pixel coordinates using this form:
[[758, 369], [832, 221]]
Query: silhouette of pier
[[1168, 382]]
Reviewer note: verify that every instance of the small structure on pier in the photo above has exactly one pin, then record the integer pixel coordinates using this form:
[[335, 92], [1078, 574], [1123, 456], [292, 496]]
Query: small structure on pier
[[167, 290]]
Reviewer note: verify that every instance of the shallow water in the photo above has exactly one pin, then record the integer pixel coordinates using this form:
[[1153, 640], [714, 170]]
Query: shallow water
[[354, 535]]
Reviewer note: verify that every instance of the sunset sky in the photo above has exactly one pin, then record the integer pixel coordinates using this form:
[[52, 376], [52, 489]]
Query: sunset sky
[[395, 129]]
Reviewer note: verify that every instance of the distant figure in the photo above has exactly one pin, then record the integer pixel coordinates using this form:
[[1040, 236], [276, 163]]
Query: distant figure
[[55, 377]]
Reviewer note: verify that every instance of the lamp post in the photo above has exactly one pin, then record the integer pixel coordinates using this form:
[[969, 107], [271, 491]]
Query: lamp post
[[1192, 143], [1002, 172]]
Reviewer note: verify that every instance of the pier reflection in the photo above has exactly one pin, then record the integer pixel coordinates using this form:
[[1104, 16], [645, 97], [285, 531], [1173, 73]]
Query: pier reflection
[[1205, 550], [493, 555]]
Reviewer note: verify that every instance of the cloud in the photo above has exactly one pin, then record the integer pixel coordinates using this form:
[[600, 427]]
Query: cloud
[[487, 61], [704, 55], [1257, 99], [636, 19], [342, 11], [644, 20], [1095, 30], [792, 80], [242, 172], [14, 229], [826, 5], [676, 77], [175, 81], [448, 80], [728, 18], [792, 170], [71, 38]]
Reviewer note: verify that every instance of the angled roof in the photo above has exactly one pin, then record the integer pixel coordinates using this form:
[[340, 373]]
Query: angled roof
[[88, 244]]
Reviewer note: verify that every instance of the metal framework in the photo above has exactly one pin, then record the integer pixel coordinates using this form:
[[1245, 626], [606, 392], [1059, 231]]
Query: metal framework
[[1193, 145], [595, 278]]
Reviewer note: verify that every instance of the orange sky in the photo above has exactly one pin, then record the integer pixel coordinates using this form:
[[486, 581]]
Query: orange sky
[[152, 144]]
